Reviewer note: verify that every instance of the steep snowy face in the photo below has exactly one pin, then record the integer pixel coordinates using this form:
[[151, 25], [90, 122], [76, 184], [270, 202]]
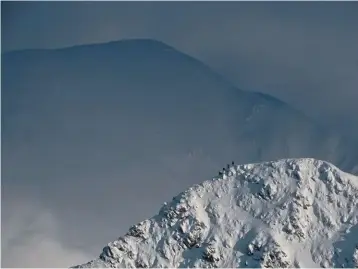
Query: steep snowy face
[[288, 213]]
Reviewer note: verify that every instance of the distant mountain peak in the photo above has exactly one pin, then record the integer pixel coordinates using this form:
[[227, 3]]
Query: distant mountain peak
[[287, 213], [119, 75], [132, 43], [146, 41], [135, 43]]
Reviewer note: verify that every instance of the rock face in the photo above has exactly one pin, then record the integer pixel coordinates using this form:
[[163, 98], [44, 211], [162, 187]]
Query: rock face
[[288, 213]]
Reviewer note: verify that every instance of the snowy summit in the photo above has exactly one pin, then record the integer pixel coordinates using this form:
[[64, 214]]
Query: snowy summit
[[287, 213]]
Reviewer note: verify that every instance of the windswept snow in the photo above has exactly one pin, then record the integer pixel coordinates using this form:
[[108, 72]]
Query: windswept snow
[[287, 213]]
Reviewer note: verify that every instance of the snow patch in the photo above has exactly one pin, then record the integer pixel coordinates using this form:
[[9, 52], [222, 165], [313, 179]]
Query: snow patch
[[288, 213]]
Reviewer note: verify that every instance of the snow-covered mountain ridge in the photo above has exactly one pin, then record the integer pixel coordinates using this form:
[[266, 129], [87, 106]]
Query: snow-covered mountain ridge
[[287, 213]]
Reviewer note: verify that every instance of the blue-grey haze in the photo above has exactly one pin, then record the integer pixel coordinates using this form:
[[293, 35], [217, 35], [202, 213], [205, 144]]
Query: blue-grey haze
[[302, 52], [77, 170]]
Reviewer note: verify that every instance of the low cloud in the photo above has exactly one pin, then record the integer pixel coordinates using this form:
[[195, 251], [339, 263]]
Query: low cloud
[[30, 239]]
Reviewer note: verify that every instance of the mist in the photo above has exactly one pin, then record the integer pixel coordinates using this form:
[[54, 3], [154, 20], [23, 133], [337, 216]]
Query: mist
[[97, 138], [303, 53]]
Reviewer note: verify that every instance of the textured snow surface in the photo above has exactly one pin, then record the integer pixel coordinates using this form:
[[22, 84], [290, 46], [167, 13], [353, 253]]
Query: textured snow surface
[[288, 213]]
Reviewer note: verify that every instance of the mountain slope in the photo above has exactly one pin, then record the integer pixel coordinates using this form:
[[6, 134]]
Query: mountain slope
[[90, 115], [157, 93], [295, 212]]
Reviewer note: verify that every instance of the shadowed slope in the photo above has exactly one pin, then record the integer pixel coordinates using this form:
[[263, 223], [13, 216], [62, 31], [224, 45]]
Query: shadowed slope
[[81, 121]]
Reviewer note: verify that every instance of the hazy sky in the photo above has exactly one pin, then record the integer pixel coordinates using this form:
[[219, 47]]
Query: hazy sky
[[305, 53]]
